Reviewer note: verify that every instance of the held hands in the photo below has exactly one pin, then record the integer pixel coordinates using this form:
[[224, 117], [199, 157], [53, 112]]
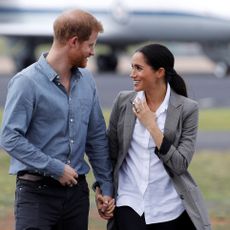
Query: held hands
[[105, 205], [144, 114]]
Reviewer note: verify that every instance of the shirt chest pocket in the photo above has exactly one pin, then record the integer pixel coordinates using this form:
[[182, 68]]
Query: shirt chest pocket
[[85, 107]]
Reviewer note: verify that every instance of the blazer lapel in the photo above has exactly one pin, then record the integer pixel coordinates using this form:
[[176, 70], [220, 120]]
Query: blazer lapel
[[173, 115], [129, 122]]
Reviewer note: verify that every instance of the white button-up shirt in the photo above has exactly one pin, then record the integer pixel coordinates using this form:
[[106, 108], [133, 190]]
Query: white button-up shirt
[[144, 185]]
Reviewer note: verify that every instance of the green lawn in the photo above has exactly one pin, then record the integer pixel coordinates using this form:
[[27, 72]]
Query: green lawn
[[214, 120], [211, 172]]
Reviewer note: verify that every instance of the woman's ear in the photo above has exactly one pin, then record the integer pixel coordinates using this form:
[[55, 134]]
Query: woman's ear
[[161, 72]]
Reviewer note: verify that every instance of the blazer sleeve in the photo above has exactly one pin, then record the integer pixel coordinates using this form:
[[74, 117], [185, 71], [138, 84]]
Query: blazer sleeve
[[177, 155]]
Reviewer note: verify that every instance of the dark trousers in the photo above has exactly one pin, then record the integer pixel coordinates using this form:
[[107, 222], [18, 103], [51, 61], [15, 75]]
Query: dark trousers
[[47, 205], [127, 219]]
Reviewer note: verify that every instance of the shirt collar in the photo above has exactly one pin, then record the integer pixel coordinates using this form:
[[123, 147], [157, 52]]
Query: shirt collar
[[47, 70], [164, 105], [50, 73]]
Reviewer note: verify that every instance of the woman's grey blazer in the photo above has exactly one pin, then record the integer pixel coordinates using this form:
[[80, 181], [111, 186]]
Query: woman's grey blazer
[[180, 131]]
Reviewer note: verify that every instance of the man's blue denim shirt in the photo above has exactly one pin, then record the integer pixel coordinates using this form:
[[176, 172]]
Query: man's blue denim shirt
[[44, 128]]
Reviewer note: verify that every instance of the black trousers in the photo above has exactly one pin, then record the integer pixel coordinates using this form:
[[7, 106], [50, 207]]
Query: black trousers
[[47, 205], [127, 219]]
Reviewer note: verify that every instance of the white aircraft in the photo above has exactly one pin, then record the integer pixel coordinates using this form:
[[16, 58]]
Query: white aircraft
[[125, 22]]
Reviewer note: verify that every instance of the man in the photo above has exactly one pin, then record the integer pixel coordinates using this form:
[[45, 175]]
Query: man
[[52, 117]]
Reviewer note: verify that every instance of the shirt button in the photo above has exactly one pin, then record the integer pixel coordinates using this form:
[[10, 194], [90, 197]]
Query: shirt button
[[71, 141], [71, 120]]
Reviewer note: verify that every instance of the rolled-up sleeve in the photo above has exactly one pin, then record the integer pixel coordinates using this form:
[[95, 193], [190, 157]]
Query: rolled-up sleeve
[[178, 157]]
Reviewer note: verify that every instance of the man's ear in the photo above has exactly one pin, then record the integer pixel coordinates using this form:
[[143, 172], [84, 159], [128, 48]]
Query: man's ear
[[73, 42]]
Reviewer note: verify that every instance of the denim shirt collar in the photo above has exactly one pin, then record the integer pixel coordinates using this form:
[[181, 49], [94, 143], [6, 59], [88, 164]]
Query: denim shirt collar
[[50, 73]]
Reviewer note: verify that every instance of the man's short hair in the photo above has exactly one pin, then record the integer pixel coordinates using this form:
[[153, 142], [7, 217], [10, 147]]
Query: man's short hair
[[75, 23]]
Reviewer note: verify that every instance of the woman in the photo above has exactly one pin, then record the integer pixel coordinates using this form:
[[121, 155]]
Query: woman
[[152, 133]]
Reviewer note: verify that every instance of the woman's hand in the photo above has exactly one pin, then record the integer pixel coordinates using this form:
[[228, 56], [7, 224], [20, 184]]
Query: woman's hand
[[144, 114], [148, 119], [105, 205]]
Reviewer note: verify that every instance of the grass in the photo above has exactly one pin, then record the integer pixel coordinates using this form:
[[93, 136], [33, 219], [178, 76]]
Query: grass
[[215, 177], [214, 119], [6, 184], [211, 172]]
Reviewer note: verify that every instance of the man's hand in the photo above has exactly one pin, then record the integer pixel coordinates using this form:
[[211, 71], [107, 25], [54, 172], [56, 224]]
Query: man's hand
[[69, 177], [105, 205]]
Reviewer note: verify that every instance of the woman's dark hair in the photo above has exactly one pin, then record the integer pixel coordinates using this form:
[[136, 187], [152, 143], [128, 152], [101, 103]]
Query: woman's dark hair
[[159, 56]]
